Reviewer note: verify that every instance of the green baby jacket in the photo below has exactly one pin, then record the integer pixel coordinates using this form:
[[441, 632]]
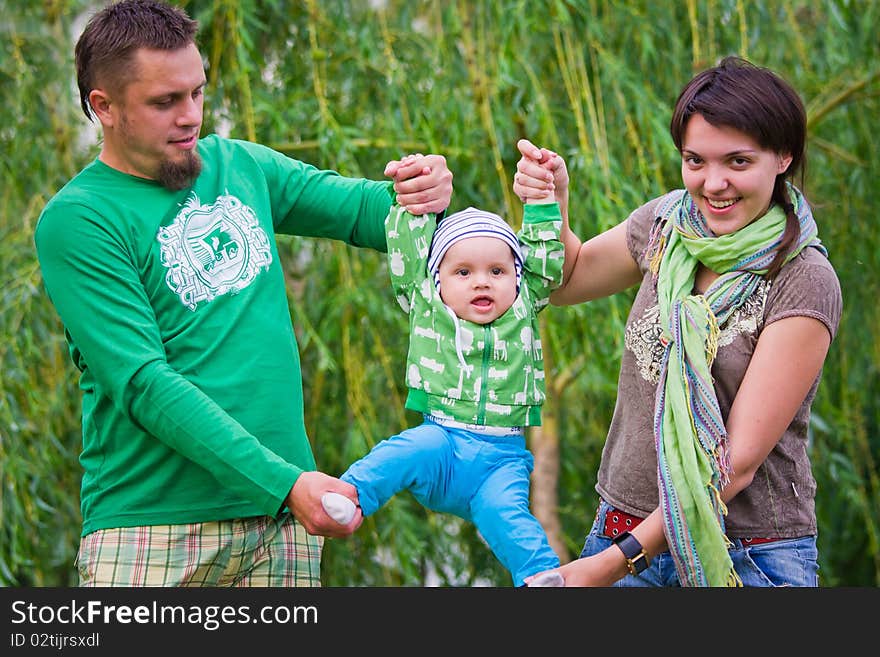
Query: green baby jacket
[[475, 374]]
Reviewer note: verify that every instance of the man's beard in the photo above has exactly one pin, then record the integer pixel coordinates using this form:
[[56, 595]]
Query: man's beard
[[181, 174]]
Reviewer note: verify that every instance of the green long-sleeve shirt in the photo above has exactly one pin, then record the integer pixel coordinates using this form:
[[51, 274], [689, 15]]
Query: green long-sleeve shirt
[[175, 312]]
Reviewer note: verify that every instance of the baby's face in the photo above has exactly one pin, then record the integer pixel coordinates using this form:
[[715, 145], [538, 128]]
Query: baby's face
[[478, 279]]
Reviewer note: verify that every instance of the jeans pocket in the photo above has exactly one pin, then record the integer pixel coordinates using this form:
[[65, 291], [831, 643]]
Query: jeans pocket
[[596, 540], [789, 562]]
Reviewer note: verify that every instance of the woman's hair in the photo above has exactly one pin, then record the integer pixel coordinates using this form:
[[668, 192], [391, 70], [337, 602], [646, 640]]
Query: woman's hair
[[757, 102], [105, 51]]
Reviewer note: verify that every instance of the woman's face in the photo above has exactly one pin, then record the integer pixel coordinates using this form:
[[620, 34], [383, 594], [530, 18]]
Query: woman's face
[[729, 176]]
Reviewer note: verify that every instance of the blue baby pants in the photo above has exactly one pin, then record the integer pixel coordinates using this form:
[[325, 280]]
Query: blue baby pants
[[483, 479]]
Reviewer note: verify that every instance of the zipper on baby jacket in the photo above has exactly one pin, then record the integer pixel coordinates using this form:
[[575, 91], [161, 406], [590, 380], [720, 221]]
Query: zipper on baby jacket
[[488, 349]]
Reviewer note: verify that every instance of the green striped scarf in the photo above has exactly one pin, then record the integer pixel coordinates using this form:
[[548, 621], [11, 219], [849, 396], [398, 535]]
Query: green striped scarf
[[689, 433]]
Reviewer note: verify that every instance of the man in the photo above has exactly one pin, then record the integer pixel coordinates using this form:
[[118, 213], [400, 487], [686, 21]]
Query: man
[[160, 260]]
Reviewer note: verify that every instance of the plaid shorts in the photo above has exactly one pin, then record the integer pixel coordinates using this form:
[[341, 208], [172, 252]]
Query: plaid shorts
[[257, 551]]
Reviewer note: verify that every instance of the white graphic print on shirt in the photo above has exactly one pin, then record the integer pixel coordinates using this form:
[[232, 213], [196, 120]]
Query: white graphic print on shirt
[[211, 250]]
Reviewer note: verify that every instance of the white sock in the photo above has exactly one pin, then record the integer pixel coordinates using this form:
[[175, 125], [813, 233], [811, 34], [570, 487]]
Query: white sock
[[550, 578], [338, 507]]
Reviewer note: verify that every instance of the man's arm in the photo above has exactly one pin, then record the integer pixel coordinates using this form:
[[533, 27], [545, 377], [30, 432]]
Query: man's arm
[[101, 300], [321, 203]]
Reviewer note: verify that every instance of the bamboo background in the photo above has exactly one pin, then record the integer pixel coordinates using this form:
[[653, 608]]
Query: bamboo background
[[351, 85]]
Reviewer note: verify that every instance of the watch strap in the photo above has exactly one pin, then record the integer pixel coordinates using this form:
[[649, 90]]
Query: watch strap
[[636, 557]]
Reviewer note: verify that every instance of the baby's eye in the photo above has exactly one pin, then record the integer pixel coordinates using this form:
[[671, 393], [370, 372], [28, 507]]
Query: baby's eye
[[497, 271], [462, 272]]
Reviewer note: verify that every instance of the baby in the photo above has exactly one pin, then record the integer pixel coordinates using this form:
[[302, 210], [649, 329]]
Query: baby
[[473, 290]]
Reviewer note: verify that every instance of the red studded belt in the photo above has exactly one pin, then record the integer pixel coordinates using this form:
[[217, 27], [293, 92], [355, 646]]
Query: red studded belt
[[617, 522]]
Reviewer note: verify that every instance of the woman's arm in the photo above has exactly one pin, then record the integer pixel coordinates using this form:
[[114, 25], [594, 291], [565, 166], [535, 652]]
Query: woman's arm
[[788, 357], [600, 267]]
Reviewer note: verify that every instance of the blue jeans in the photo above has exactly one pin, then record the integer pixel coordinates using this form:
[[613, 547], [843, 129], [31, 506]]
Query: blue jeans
[[482, 479], [788, 562]]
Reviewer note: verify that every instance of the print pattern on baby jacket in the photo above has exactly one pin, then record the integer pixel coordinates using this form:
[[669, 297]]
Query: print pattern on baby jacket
[[488, 374]]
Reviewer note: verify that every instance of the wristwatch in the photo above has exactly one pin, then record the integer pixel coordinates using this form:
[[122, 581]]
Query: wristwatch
[[636, 559]]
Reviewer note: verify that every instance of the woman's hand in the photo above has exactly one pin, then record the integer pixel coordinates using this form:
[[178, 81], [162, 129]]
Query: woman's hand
[[538, 172], [602, 569]]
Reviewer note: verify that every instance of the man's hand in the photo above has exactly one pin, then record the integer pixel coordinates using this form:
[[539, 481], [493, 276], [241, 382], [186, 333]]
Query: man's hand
[[304, 501], [423, 182]]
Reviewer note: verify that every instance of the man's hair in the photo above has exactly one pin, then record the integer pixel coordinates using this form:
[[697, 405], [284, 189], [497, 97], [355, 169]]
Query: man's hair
[[105, 51]]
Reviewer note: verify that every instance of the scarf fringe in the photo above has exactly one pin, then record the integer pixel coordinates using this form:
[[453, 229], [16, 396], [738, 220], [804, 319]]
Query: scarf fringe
[[712, 329], [718, 504], [723, 466], [733, 579], [656, 246]]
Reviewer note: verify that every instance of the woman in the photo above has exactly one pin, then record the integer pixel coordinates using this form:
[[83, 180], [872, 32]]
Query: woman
[[705, 478]]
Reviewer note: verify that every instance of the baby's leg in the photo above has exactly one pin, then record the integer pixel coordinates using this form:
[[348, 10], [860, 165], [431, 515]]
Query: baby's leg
[[500, 510], [415, 459]]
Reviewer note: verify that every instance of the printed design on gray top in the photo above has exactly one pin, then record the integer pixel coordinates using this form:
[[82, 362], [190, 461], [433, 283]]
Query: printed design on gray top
[[642, 336], [212, 250]]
